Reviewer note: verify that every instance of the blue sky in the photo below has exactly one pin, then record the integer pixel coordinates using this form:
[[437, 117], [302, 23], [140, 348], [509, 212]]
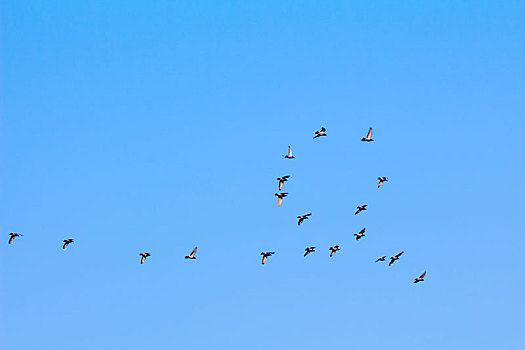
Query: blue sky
[[158, 126]]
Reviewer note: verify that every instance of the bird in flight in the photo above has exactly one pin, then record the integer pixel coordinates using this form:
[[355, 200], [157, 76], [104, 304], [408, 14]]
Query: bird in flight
[[289, 155], [420, 278], [302, 218], [394, 258], [360, 209], [282, 180], [266, 255], [66, 242], [309, 250], [320, 133], [144, 256], [280, 197], [334, 249], [381, 258], [381, 180], [192, 255], [13, 235], [360, 235], [368, 137]]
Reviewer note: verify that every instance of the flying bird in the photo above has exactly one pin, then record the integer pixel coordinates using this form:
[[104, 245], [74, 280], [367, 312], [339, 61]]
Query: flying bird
[[144, 256], [66, 242], [266, 255], [381, 180], [420, 278], [360, 209], [320, 133], [381, 258], [368, 137], [13, 235], [289, 155], [334, 249], [302, 218], [192, 255], [309, 250], [280, 197], [360, 235], [282, 180], [394, 258]]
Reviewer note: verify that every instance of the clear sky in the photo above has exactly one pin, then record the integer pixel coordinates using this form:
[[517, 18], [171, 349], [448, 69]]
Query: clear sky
[[157, 126]]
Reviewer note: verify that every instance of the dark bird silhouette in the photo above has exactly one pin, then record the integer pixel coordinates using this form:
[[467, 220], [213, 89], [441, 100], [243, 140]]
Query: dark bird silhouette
[[280, 197], [192, 255], [368, 137], [302, 218], [360, 235], [420, 278], [289, 155], [381, 180], [144, 256], [334, 249], [360, 209], [66, 242], [266, 255], [309, 250], [394, 258], [13, 235], [381, 258], [282, 180], [320, 133]]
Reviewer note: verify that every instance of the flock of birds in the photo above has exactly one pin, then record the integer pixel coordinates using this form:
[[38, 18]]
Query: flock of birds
[[301, 218], [360, 208]]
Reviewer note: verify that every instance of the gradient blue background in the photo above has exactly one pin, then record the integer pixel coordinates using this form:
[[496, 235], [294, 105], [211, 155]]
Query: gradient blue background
[[156, 126]]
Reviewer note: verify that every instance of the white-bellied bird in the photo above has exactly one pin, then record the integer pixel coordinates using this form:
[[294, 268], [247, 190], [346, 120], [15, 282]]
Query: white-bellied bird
[[420, 278], [266, 255], [309, 250], [144, 256], [280, 197], [66, 242], [282, 180], [320, 133], [192, 255], [13, 235], [360, 209], [394, 258], [334, 249], [302, 218], [368, 137]]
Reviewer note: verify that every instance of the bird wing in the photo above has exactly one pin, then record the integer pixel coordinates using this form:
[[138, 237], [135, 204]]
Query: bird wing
[[308, 214], [11, 239], [358, 211], [143, 259], [264, 259], [398, 255], [65, 245], [281, 182], [193, 252], [279, 201], [323, 129], [300, 221], [380, 183], [369, 135], [423, 275], [391, 262], [289, 151], [362, 231]]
